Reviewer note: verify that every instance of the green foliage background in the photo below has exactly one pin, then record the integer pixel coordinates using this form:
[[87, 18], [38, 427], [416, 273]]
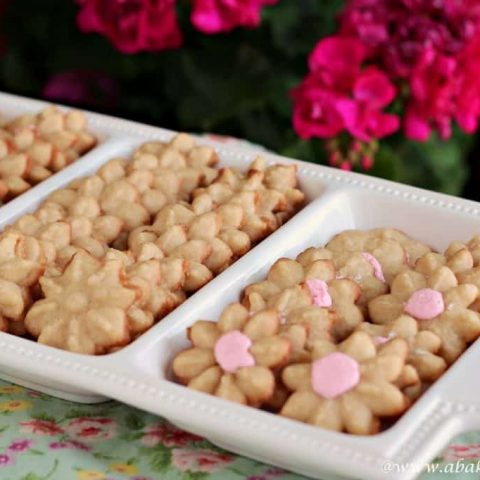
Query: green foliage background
[[236, 84]]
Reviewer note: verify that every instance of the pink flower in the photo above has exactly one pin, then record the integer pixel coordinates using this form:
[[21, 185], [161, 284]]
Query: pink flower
[[337, 61], [430, 105], [91, 429], [82, 86], [373, 89], [366, 124], [462, 452], [315, 111], [132, 26], [338, 95], [168, 435], [6, 459], [73, 444], [467, 110], [202, 460], [396, 34], [40, 427], [19, 446], [362, 115], [217, 16]]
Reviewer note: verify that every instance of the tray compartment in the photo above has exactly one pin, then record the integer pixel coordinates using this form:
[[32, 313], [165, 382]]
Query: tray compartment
[[337, 211], [13, 107]]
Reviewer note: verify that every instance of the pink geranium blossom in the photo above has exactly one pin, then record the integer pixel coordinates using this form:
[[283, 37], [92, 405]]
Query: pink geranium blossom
[[201, 460], [362, 115], [132, 26], [315, 110], [444, 88], [340, 95], [396, 34], [337, 61], [217, 16], [467, 111]]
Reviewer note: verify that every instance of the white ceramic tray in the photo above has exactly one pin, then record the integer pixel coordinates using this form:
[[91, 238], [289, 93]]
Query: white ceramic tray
[[139, 374]]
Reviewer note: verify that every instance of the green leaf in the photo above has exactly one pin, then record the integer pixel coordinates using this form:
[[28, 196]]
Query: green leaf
[[188, 475], [102, 456], [131, 436], [31, 476], [36, 452], [134, 421], [43, 416], [160, 458]]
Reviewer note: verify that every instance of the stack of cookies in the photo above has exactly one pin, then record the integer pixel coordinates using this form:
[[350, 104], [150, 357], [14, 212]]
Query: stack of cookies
[[100, 261], [345, 337], [34, 147]]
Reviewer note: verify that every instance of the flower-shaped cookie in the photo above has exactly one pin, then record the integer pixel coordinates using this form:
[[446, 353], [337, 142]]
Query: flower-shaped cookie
[[347, 387], [468, 270], [423, 346], [310, 294], [457, 257], [21, 264], [21, 258], [234, 358], [366, 271], [439, 305], [387, 256], [85, 309]]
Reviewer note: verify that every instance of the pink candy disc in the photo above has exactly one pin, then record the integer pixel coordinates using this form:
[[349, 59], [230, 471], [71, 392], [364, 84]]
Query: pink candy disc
[[377, 268], [425, 304], [334, 375], [319, 291], [231, 351]]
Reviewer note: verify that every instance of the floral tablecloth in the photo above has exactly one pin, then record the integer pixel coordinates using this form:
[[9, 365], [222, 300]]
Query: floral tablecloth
[[47, 438]]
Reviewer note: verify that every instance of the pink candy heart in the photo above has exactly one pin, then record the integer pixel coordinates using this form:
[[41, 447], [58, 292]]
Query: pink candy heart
[[334, 375], [425, 304], [319, 292], [231, 351]]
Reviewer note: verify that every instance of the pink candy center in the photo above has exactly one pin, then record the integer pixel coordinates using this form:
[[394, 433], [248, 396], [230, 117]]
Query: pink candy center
[[377, 268], [231, 351], [319, 291], [425, 304], [334, 375], [380, 340]]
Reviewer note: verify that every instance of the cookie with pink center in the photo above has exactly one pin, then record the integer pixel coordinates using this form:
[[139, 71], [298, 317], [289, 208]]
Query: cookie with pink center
[[423, 345], [307, 292], [392, 249], [235, 357], [438, 303], [347, 387], [366, 271]]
